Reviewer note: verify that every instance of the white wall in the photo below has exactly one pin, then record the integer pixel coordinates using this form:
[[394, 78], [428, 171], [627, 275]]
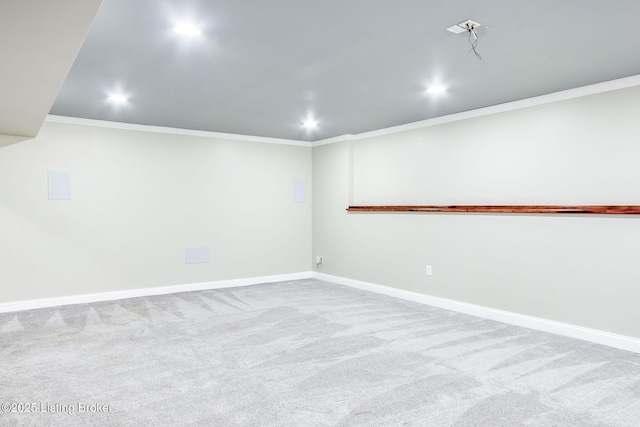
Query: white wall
[[138, 200], [581, 270]]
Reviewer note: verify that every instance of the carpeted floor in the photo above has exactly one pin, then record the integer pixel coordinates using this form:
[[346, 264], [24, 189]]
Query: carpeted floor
[[304, 353]]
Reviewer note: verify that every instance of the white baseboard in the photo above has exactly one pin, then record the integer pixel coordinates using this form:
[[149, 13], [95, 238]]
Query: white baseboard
[[565, 329], [143, 292]]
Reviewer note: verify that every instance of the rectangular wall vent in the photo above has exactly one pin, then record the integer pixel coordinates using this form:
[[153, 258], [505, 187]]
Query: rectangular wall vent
[[200, 255]]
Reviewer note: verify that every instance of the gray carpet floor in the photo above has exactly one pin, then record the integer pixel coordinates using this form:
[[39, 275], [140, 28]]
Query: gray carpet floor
[[302, 353]]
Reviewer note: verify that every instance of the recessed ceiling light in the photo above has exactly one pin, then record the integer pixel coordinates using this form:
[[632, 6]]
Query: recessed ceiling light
[[118, 98], [188, 30], [310, 124], [434, 90]]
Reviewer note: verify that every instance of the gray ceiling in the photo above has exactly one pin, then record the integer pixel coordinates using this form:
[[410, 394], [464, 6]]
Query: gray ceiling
[[260, 67]]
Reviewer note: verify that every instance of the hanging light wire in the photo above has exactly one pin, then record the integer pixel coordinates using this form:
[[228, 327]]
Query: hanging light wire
[[474, 42]]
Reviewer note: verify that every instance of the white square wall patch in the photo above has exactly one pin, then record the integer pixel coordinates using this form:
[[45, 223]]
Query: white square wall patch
[[300, 191], [59, 182], [198, 255]]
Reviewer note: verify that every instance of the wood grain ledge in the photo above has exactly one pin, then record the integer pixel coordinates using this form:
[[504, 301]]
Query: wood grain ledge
[[590, 209]]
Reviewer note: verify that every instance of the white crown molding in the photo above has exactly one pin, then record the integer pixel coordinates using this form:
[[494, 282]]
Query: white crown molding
[[531, 322], [172, 131], [494, 109], [143, 292]]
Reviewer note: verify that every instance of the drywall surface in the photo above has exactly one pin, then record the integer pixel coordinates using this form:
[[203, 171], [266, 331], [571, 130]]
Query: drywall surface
[[581, 270], [39, 42], [138, 200]]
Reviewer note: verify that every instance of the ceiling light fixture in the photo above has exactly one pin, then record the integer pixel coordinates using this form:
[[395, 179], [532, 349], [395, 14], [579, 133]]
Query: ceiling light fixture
[[436, 89], [310, 124], [118, 98], [188, 30]]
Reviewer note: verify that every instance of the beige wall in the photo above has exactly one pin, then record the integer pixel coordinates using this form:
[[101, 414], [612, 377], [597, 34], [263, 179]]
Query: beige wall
[[581, 270], [138, 200]]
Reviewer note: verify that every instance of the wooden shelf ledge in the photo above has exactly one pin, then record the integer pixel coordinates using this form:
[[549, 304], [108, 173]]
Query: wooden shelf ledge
[[598, 210]]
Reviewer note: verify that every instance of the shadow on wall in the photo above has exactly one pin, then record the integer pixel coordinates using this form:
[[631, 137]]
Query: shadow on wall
[[12, 139]]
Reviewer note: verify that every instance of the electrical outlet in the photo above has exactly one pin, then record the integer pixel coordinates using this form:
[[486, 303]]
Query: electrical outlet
[[429, 271], [318, 259], [463, 26]]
